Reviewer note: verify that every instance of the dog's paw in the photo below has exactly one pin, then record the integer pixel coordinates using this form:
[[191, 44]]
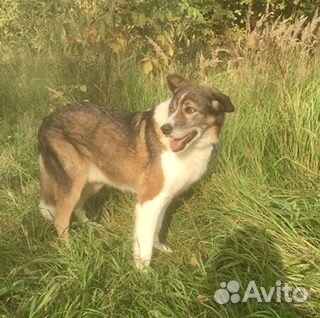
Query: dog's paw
[[83, 220], [142, 265], [162, 247]]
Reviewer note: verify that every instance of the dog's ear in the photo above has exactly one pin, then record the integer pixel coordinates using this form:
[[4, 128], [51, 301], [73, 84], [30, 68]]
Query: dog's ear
[[222, 99], [175, 81]]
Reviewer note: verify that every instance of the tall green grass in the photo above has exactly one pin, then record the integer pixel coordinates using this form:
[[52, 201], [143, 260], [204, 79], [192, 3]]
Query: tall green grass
[[254, 216]]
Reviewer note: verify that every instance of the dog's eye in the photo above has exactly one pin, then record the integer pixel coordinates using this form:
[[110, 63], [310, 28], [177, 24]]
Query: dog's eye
[[170, 109], [190, 110]]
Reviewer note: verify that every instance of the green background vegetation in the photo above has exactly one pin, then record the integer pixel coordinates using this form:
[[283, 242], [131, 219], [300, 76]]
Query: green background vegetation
[[254, 216]]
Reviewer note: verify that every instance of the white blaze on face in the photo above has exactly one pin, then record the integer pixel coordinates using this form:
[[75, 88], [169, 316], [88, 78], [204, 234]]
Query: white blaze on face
[[161, 112], [171, 119]]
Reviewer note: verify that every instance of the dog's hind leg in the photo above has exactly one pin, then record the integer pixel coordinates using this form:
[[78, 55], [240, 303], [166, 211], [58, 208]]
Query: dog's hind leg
[[63, 176], [47, 193], [88, 191], [66, 203]]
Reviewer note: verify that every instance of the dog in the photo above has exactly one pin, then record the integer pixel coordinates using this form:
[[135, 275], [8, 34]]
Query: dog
[[156, 154]]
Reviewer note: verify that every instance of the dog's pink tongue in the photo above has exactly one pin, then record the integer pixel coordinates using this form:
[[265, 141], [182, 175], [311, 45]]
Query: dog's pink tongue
[[176, 144]]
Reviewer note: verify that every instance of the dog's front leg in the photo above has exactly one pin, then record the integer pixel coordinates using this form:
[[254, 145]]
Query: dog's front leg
[[147, 216], [156, 241]]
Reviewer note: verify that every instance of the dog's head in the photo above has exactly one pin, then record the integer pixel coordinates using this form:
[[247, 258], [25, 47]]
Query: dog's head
[[193, 110]]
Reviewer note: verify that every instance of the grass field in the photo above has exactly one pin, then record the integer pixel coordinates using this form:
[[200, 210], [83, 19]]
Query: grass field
[[253, 217]]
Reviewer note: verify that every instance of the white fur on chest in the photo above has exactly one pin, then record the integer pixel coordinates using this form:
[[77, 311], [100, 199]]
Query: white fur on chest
[[181, 170]]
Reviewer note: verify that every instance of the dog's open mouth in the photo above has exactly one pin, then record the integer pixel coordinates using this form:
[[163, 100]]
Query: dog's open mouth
[[177, 145]]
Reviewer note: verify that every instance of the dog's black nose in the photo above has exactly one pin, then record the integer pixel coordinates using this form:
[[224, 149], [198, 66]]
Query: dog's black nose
[[166, 129]]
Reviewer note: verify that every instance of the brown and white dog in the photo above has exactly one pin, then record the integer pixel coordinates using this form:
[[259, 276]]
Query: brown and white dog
[[157, 154]]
